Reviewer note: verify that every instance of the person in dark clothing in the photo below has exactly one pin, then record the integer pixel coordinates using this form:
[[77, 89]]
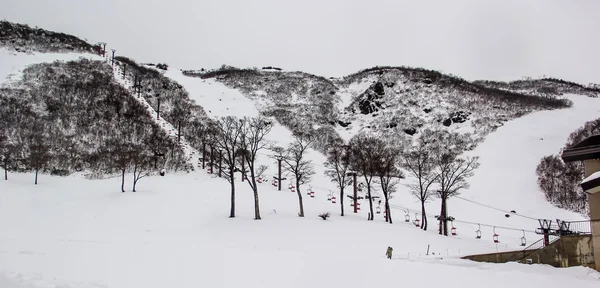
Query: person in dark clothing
[[388, 253]]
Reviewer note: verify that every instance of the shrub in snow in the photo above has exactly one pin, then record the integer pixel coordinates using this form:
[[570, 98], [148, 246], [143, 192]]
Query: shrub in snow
[[162, 66], [324, 216]]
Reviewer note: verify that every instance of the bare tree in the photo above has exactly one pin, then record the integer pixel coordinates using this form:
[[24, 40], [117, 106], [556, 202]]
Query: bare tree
[[228, 138], [39, 149], [388, 174], [254, 131], [119, 154], [338, 163], [296, 163], [141, 162], [419, 162], [200, 132], [39, 156], [8, 156], [452, 171], [363, 149]]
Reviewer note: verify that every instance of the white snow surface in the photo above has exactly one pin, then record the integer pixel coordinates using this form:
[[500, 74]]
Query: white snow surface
[[175, 231]]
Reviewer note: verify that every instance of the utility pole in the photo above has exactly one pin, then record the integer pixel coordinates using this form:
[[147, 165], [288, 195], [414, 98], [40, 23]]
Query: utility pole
[[137, 85], [103, 48], [179, 132], [355, 193], [113, 58], [353, 174], [545, 227], [158, 109], [279, 159]]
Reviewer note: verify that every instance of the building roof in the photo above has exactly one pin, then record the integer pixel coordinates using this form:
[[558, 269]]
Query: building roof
[[589, 148]]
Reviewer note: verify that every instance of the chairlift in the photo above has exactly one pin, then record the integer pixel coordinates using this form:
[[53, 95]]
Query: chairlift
[[523, 239], [453, 230], [478, 232], [406, 216], [417, 222], [329, 197], [378, 210], [496, 236]]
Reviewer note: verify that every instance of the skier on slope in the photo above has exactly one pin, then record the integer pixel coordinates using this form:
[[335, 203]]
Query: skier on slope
[[388, 253]]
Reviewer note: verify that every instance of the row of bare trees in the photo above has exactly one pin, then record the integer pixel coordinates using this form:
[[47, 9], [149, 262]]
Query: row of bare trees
[[433, 161], [238, 141]]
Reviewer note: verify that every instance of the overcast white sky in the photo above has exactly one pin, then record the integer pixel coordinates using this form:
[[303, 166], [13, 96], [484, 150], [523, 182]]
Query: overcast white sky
[[476, 39]]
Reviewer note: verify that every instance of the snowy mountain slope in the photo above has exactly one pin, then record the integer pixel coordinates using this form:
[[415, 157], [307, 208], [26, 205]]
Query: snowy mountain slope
[[499, 154], [506, 179], [391, 101], [219, 101], [171, 234], [240, 106], [175, 231]]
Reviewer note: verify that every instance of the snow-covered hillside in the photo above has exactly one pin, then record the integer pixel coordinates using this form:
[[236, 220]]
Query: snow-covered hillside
[[175, 231], [505, 181]]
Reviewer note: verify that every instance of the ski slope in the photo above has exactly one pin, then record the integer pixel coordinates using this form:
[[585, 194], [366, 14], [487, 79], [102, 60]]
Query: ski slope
[[175, 232], [219, 101]]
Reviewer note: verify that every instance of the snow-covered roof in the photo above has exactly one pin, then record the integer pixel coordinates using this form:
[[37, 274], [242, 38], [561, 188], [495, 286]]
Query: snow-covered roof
[[591, 177], [589, 148], [591, 183]]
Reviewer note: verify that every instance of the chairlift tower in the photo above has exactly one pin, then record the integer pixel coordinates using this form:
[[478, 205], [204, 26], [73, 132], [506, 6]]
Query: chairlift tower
[[545, 229]]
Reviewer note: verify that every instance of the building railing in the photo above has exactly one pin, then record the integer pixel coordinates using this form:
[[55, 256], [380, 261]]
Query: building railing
[[574, 227]]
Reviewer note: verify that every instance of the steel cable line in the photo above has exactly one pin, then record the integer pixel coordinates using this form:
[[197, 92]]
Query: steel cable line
[[498, 209], [397, 207]]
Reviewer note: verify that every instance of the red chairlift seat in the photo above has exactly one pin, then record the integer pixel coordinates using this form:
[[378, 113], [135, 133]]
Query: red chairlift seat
[[496, 236], [453, 230]]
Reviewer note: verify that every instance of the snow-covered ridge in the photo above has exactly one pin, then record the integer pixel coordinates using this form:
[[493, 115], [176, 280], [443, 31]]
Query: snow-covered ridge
[[391, 101]]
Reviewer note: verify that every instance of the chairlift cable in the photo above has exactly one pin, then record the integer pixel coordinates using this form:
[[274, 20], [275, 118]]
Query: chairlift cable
[[498, 209], [396, 207]]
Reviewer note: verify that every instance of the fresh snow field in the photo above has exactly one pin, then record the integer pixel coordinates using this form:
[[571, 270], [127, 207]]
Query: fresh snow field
[[175, 232]]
